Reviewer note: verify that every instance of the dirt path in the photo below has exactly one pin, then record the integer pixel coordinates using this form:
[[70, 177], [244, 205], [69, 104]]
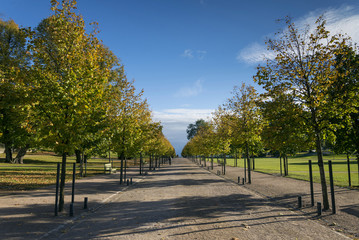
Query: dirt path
[[183, 201]]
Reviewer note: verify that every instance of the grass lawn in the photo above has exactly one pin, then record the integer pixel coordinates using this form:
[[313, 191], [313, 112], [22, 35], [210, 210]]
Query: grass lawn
[[298, 167], [39, 170]]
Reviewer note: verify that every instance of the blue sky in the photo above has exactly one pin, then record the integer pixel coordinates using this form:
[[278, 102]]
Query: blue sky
[[188, 55]]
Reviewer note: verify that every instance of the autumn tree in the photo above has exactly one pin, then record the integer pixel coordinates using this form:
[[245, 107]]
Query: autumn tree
[[15, 130], [283, 128], [69, 80], [305, 68], [222, 133], [246, 120]]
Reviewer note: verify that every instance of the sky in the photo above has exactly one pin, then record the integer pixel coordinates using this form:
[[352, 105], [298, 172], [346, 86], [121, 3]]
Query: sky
[[187, 55]]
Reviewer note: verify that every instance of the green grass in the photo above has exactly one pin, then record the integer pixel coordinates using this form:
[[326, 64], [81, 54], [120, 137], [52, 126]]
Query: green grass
[[39, 170], [298, 167]]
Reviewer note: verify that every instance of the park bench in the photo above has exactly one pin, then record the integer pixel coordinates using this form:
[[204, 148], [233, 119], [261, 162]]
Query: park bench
[[108, 168]]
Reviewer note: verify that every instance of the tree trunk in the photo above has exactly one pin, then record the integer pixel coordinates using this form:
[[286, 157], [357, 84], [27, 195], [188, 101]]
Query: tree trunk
[[62, 183], [321, 170], [20, 155], [82, 164], [224, 164], [236, 159], [78, 156], [121, 168], [249, 164], [254, 165], [8, 153], [286, 164], [280, 164]]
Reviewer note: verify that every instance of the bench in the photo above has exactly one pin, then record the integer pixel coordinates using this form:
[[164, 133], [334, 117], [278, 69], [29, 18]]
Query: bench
[[108, 168]]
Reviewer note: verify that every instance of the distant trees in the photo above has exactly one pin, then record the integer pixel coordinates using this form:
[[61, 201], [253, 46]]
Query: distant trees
[[192, 129]]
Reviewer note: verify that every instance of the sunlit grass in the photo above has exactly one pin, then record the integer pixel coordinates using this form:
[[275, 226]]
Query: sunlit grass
[[39, 170], [299, 168]]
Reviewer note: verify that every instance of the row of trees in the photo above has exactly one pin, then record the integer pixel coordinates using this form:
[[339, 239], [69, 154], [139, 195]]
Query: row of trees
[[63, 89], [310, 99]]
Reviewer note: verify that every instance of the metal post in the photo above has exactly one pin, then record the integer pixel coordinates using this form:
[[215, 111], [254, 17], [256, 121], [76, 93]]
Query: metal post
[[299, 202], [239, 179], [319, 208], [57, 189], [332, 186], [71, 210], [85, 202], [349, 178], [311, 183], [73, 182], [245, 170]]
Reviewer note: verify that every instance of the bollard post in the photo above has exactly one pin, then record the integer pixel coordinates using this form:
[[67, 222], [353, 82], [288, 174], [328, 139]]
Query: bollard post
[[239, 180], [242, 181], [71, 210], [131, 181], [319, 208], [299, 202], [128, 182], [332, 186], [311, 183], [57, 189], [85, 202], [73, 182]]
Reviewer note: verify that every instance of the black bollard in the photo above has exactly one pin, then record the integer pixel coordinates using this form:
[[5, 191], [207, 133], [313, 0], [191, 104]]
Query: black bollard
[[299, 202], [71, 209], [332, 186], [85, 202], [131, 181], [239, 180], [57, 189], [242, 181], [73, 182], [128, 182], [319, 208]]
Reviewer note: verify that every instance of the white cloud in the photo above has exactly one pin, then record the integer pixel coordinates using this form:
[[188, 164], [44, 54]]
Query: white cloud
[[201, 54], [188, 53], [344, 20], [198, 54], [191, 91], [175, 122], [254, 53]]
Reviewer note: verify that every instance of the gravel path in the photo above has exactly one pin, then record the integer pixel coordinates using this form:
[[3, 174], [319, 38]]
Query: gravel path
[[183, 201]]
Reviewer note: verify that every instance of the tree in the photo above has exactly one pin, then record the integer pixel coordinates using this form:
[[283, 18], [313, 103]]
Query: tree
[[15, 129], [192, 129], [68, 80], [305, 68], [223, 133], [283, 128], [246, 120]]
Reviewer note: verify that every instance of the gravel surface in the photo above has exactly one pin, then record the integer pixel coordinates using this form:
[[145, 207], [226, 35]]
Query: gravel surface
[[183, 201]]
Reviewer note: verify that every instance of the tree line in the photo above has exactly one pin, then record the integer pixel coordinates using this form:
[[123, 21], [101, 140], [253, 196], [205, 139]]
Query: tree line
[[310, 99], [63, 89]]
